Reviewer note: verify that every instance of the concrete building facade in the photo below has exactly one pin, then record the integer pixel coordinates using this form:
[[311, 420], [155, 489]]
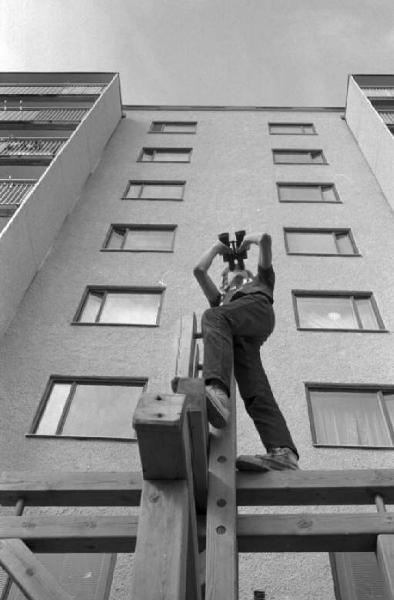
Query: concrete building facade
[[101, 303]]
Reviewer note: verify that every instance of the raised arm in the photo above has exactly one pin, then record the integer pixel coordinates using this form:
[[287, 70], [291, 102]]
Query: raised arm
[[200, 271], [264, 241]]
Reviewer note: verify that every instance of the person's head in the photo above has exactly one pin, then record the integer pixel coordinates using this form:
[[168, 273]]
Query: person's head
[[227, 275]]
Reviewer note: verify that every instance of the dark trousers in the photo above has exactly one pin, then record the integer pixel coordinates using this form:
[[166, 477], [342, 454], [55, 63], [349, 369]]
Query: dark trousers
[[233, 334]]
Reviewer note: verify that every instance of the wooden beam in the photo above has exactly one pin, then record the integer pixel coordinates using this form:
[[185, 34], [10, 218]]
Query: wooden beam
[[28, 573], [166, 564], [159, 569], [221, 541], [198, 426], [315, 487], [159, 423], [339, 532], [72, 533], [74, 488], [385, 555]]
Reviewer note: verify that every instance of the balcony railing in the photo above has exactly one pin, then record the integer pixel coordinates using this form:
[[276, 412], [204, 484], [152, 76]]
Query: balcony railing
[[83, 89], [22, 146], [13, 191], [387, 116], [42, 114], [379, 92]]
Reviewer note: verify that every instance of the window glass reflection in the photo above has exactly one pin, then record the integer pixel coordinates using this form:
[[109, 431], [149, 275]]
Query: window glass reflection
[[326, 313], [311, 243], [102, 410], [162, 191], [130, 308], [53, 409], [145, 239], [367, 313], [91, 307]]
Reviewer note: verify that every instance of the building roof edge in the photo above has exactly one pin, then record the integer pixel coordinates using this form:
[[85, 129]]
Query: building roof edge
[[194, 107]]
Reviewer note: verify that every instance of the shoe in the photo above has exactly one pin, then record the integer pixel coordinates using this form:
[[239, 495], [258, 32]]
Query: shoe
[[278, 459], [217, 406]]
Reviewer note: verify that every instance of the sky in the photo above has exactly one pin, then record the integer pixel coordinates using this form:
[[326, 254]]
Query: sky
[[204, 52]]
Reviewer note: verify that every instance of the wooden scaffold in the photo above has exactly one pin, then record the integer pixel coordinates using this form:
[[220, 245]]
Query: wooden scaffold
[[187, 536]]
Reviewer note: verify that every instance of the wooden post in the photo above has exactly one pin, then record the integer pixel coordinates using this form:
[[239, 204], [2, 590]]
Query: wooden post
[[166, 560], [198, 426], [222, 551]]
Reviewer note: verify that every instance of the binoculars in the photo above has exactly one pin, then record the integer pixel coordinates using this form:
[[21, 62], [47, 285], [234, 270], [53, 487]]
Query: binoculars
[[234, 245]]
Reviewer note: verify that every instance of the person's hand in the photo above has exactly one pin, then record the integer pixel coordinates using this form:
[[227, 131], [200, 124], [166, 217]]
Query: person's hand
[[221, 248], [249, 239]]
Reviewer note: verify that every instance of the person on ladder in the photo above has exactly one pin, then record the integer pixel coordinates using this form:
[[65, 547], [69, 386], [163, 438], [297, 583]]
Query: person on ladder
[[239, 321]]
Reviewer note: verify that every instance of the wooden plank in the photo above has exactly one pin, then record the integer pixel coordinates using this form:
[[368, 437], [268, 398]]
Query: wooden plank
[[74, 488], [28, 573], [221, 542], [314, 487], [339, 532], [186, 346], [253, 489], [158, 421], [72, 533], [198, 427], [385, 555], [159, 569]]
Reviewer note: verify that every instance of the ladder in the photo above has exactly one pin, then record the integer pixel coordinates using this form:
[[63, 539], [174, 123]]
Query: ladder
[[187, 536]]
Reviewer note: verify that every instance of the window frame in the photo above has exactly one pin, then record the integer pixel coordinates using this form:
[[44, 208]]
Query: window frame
[[121, 289], [312, 125], [333, 230], [348, 387], [138, 227], [158, 149], [164, 123], [162, 183], [312, 185], [299, 151], [74, 381], [343, 294]]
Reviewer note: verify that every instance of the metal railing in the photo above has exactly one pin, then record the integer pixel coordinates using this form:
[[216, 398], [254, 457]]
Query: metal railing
[[378, 92], [80, 89], [12, 191], [41, 114], [30, 146], [387, 116]]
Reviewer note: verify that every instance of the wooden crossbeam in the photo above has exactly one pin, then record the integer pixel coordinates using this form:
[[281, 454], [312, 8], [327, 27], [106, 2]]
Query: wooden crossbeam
[[333, 532], [347, 487], [74, 488], [315, 487], [72, 533], [28, 573], [339, 532]]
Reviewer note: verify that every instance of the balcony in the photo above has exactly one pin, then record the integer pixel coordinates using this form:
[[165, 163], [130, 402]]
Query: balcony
[[71, 89], [20, 149], [42, 114], [12, 193], [379, 92]]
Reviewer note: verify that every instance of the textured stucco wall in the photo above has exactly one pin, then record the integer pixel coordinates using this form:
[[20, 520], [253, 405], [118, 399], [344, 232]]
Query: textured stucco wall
[[230, 185], [373, 136]]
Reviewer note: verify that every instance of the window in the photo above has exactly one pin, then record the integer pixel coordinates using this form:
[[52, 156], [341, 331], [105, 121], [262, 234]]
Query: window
[[88, 408], [291, 128], [351, 311], [154, 190], [328, 242], [120, 306], [173, 127], [351, 416], [300, 157], [165, 155], [141, 238], [307, 192]]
